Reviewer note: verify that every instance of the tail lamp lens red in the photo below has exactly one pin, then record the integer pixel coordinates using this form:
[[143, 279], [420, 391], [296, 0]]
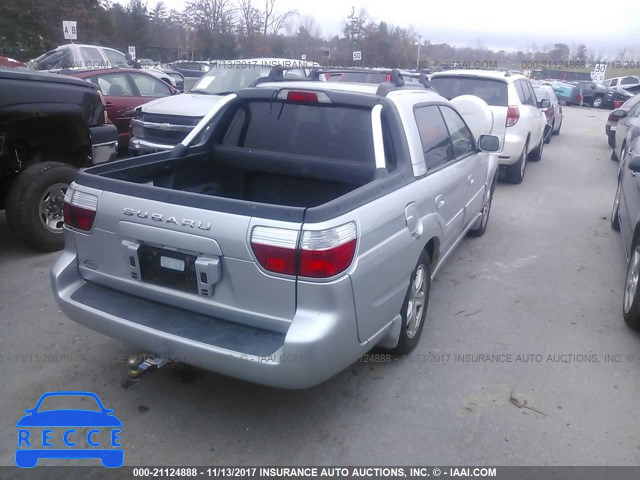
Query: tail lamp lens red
[[315, 254], [79, 209]]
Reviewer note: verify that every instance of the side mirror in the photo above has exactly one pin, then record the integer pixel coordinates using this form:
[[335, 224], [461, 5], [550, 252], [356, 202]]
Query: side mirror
[[544, 103], [634, 163], [489, 143]]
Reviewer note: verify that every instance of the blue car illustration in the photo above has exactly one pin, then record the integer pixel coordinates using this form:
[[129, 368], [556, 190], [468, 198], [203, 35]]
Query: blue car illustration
[[68, 418]]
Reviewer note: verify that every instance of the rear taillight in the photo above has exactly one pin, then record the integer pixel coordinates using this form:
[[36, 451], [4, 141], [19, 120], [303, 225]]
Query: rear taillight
[[579, 99], [319, 254], [513, 115], [613, 118], [79, 209], [327, 253], [275, 249]]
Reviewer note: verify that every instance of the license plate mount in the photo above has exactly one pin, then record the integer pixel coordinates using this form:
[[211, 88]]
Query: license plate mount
[[168, 268]]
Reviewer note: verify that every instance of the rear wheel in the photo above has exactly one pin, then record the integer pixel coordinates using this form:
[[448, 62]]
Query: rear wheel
[[515, 172], [596, 102], [631, 301], [414, 308], [34, 204], [484, 219], [615, 210]]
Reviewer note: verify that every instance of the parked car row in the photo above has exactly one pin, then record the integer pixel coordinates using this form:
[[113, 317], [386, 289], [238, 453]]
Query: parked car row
[[588, 93], [623, 136]]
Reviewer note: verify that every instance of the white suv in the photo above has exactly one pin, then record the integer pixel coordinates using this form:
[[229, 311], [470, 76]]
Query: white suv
[[517, 118]]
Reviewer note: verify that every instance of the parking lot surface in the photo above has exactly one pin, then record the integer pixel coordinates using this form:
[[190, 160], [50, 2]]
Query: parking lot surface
[[525, 358]]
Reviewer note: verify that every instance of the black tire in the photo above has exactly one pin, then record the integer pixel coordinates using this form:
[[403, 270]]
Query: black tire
[[557, 132], [547, 137], [25, 198], [631, 298], [536, 154], [597, 101], [408, 340], [515, 173], [486, 211], [611, 139], [615, 218]]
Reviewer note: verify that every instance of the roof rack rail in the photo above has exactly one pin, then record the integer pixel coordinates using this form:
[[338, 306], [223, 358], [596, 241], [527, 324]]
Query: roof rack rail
[[424, 80], [396, 80]]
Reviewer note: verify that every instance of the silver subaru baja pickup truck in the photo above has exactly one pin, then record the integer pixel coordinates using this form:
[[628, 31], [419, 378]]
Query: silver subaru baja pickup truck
[[295, 228]]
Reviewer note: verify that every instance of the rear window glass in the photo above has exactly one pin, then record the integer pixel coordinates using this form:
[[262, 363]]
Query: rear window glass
[[542, 93], [222, 79], [337, 132], [494, 92], [55, 59]]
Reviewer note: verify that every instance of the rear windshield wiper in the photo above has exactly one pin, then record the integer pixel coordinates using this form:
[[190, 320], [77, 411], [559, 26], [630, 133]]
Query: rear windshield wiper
[[202, 92]]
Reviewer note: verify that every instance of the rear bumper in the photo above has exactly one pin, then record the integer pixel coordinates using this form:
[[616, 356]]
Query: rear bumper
[[320, 342], [512, 149]]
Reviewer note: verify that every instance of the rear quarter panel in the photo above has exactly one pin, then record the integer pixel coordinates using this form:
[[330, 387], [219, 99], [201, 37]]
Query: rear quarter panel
[[387, 254]]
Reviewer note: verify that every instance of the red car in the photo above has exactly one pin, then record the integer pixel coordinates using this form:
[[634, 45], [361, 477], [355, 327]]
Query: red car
[[10, 63], [124, 89]]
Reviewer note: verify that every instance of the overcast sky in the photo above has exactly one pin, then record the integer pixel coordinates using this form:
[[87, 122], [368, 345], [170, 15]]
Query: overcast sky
[[498, 24]]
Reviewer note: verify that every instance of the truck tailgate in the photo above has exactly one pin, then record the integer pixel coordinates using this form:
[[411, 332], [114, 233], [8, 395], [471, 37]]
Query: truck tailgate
[[186, 257]]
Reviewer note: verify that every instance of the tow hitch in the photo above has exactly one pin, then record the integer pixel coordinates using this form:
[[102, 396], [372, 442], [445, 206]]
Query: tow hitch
[[150, 364]]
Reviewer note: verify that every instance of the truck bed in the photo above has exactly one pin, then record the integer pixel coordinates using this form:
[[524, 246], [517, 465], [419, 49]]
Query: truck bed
[[255, 176]]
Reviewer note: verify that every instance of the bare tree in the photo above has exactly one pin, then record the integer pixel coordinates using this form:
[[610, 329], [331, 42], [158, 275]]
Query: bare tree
[[211, 19], [251, 17], [273, 21], [355, 24], [311, 26]]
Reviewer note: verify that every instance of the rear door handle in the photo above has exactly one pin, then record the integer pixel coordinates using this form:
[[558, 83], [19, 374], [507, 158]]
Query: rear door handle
[[440, 201]]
